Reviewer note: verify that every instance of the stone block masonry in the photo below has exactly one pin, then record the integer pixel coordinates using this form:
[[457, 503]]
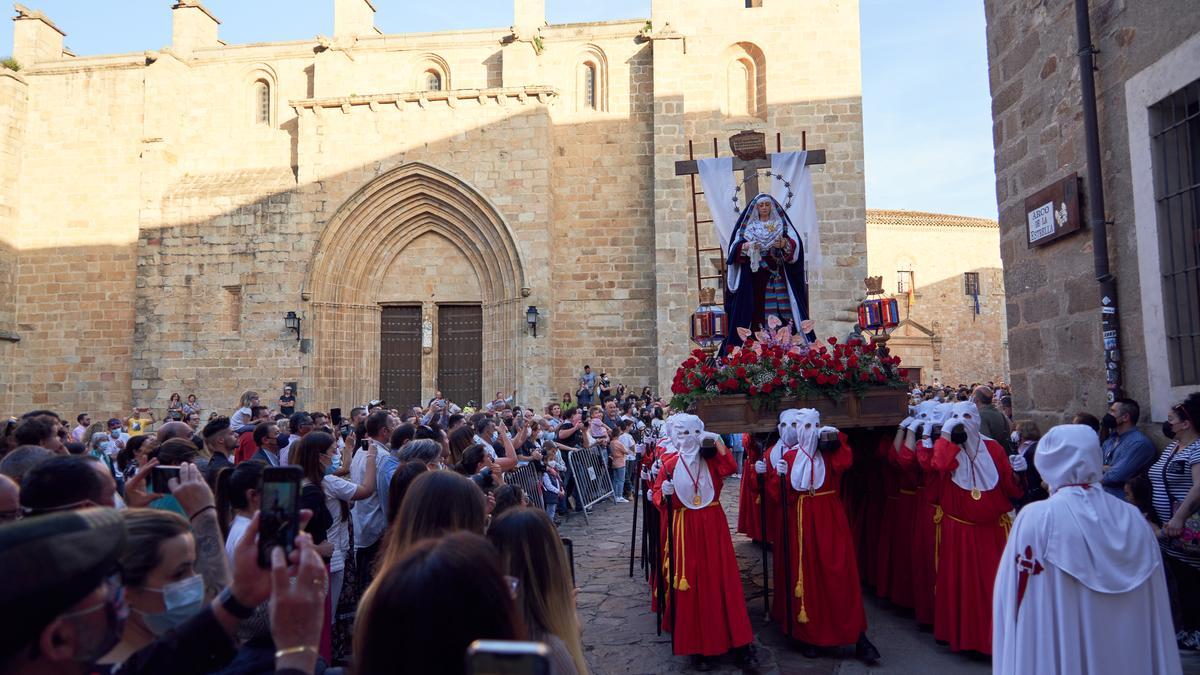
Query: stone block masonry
[[166, 209]]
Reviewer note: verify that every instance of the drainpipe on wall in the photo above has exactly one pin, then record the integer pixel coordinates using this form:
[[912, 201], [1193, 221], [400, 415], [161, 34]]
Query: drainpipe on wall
[[1109, 314]]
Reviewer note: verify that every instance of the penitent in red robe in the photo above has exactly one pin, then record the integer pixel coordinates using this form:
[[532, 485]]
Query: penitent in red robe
[[749, 500], [827, 608], [924, 569], [894, 570], [970, 540], [710, 609]]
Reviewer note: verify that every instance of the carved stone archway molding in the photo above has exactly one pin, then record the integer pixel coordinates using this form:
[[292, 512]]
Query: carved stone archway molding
[[366, 236]]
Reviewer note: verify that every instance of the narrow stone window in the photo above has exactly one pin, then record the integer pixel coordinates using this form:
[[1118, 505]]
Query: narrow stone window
[[262, 103], [741, 89], [750, 4], [433, 80], [232, 310], [589, 86]]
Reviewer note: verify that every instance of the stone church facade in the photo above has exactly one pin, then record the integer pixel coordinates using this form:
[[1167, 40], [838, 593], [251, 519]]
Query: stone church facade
[[408, 196]]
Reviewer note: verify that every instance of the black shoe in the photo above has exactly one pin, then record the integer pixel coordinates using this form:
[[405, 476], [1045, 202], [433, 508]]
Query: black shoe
[[701, 663], [745, 657], [865, 651], [807, 651]]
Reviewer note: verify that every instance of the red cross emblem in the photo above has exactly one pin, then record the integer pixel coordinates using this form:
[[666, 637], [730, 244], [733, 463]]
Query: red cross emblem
[[1029, 567]]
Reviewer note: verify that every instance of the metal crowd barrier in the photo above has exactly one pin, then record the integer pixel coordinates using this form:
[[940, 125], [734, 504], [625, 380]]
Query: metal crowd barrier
[[526, 477], [590, 472]]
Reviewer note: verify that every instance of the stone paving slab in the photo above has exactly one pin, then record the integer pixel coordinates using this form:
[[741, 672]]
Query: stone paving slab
[[618, 625]]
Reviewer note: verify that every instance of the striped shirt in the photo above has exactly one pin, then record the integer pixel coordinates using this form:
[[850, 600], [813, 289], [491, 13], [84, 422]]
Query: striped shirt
[[1174, 470]]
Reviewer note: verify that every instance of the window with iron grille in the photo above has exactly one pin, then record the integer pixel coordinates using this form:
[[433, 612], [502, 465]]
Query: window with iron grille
[[262, 102], [971, 283], [904, 281], [1175, 144]]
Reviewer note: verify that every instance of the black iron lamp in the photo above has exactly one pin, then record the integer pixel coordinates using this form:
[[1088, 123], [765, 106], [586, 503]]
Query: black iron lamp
[[531, 318], [292, 322]]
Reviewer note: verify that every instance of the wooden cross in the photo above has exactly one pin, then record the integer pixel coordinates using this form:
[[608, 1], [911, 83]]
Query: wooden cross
[[750, 157]]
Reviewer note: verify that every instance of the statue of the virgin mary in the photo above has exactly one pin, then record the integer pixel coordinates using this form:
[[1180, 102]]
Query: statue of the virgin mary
[[765, 272]]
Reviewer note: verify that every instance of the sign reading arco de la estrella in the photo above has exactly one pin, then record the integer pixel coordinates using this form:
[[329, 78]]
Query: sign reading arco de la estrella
[[1053, 212]]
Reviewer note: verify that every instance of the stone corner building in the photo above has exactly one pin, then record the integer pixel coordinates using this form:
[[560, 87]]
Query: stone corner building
[[1148, 98], [944, 272], [409, 196]]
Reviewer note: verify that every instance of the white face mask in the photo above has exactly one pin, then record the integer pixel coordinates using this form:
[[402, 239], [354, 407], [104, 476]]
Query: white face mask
[[182, 600]]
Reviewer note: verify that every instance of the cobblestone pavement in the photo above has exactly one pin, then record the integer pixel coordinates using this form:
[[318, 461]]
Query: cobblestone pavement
[[619, 626]]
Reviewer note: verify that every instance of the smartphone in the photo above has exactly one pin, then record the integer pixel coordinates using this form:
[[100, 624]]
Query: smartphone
[[335, 416], [279, 512], [159, 476], [507, 657], [570, 546]]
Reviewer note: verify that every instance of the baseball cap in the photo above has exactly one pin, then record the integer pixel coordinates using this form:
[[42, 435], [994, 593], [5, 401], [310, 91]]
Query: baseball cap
[[114, 423], [52, 562]]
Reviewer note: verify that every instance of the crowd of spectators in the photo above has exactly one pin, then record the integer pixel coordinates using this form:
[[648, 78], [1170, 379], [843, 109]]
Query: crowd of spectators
[[401, 509]]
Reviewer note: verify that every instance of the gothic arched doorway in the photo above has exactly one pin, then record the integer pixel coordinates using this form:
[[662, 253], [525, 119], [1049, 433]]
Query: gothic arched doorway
[[360, 256]]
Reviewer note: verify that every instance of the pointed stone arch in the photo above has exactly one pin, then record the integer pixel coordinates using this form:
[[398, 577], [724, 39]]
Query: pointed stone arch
[[365, 237]]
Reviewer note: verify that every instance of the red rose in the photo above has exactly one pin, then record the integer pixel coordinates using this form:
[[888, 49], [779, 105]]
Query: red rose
[[740, 372], [753, 390], [879, 377], [864, 377], [854, 342], [793, 383], [832, 340], [690, 363], [852, 361], [766, 388], [778, 381], [699, 354], [904, 373]]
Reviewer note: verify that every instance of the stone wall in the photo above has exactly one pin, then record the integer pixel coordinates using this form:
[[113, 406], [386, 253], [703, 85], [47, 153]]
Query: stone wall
[[12, 137], [1053, 300], [164, 229], [944, 333]]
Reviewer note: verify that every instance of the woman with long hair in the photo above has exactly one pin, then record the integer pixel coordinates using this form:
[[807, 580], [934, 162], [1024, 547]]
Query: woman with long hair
[[401, 481], [437, 503], [238, 491], [328, 496], [461, 439], [532, 552], [424, 610], [175, 406]]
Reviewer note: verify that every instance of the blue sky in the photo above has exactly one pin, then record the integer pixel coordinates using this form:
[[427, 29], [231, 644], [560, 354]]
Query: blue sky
[[926, 104]]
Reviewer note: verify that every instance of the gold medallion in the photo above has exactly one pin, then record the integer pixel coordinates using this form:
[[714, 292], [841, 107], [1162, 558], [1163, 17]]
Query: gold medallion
[[976, 494], [696, 500]]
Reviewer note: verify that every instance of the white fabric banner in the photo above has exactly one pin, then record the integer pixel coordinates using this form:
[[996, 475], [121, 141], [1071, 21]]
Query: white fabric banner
[[719, 182], [803, 211]]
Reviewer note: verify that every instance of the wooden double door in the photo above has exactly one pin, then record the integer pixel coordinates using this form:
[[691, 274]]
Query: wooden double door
[[456, 337]]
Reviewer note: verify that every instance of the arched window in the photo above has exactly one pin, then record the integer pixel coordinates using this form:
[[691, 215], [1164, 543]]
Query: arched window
[[589, 86], [745, 81], [262, 103], [591, 80], [432, 81]]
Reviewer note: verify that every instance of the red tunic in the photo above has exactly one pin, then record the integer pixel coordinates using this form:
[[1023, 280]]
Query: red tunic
[[710, 617], [862, 496], [971, 539], [894, 570], [924, 531], [827, 607], [749, 500]]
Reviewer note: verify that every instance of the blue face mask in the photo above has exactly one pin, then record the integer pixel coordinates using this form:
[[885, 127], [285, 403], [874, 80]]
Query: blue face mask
[[183, 600], [330, 469]]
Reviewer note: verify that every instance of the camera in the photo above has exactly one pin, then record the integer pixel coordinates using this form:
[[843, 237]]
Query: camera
[[484, 479], [346, 429], [828, 441], [958, 435]]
